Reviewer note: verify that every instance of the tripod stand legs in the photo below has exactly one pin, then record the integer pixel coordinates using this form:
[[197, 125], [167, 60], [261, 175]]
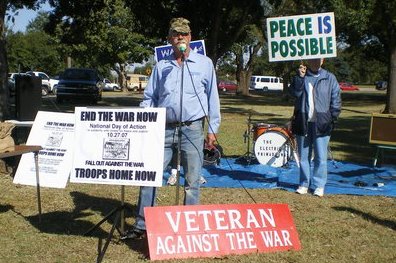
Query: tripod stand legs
[[102, 250]]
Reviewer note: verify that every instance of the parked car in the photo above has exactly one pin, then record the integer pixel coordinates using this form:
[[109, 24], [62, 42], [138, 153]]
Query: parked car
[[348, 86], [80, 83], [11, 82], [381, 85], [11, 87], [110, 86], [54, 80], [45, 81], [227, 86]]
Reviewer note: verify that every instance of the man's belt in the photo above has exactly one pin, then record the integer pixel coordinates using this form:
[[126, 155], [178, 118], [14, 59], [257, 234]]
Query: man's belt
[[173, 125]]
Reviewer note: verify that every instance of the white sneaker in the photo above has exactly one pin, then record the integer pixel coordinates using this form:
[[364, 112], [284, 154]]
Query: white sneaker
[[319, 192], [173, 177], [202, 180], [302, 190]]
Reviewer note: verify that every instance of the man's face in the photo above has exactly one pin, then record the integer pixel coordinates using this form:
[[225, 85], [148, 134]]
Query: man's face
[[176, 38], [315, 64]]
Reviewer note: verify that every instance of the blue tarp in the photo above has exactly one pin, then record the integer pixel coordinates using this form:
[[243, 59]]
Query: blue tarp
[[343, 177]]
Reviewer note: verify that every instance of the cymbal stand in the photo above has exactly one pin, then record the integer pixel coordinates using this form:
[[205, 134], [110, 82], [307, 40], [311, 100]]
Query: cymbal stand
[[248, 156]]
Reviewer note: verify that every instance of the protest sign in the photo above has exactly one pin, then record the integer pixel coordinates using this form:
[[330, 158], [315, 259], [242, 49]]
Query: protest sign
[[216, 230], [161, 52], [122, 146], [54, 132], [301, 37]]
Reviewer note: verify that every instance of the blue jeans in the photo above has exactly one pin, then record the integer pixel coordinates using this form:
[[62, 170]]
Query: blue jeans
[[319, 145], [192, 142]]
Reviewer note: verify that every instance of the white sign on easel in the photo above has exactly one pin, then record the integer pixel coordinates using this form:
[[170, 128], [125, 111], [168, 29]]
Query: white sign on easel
[[119, 146], [54, 132]]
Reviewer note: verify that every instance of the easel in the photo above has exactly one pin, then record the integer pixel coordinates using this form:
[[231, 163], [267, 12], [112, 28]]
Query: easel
[[19, 150], [380, 153], [119, 213]]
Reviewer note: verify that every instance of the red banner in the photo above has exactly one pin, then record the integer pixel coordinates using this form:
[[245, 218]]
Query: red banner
[[215, 230]]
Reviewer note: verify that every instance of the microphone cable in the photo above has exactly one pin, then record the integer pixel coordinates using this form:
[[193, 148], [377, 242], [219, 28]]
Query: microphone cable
[[214, 134]]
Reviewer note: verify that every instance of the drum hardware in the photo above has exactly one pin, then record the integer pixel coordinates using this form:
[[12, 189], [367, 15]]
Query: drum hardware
[[248, 157], [272, 145]]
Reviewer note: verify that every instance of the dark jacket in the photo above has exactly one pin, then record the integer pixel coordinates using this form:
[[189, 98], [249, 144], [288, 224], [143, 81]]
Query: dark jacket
[[327, 101]]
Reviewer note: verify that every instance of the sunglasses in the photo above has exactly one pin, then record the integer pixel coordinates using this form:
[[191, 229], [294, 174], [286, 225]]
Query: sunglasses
[[176, 34]]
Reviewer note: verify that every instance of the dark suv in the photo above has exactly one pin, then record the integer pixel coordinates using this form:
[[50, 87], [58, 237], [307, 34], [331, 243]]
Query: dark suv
[[80, 83]]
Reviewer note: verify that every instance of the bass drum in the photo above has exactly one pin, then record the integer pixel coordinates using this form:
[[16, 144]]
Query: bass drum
[[260, 128], [274, 147]]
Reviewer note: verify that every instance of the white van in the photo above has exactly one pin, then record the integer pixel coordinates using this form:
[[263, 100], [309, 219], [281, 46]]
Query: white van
[[266, 83]]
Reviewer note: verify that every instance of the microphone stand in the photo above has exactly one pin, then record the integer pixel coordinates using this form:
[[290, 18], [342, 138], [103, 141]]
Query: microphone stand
[[179, 133]]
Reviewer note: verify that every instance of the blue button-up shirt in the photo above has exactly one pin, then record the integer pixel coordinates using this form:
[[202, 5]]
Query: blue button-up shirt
[[200, 95]]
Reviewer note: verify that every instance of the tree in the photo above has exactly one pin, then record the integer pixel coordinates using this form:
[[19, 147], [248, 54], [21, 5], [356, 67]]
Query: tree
[[220, 23], [8, 6], [372, 20], [34, 49], [98, 33], [245, 52]]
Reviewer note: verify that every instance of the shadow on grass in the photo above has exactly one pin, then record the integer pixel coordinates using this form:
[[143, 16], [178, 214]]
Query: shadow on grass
[[74, 222], [6, 208], [386, 223]]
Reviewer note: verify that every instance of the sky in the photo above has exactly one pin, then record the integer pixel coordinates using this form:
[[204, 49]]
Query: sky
[[24, 17]]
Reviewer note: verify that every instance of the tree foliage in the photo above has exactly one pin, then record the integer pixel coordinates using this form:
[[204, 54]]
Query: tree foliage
[[98, 33], [373, 24], [7, 11], [220, 23], [34, 50]]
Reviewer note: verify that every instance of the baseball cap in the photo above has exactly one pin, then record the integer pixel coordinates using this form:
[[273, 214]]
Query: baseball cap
[[180, 25]]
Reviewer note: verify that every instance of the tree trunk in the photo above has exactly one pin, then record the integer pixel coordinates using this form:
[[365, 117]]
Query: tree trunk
[[4, 92], [244, 82], [391, 93]]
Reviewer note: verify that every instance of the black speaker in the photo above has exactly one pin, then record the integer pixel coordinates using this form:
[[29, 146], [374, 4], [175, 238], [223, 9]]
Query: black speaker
[[27, 97], [382, 130]]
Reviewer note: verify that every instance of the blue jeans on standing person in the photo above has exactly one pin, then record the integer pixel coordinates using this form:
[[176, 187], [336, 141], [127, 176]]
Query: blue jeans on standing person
[[192, 142], [319, 145]]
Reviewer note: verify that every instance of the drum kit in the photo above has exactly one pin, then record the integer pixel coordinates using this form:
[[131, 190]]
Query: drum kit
[[273, 145]]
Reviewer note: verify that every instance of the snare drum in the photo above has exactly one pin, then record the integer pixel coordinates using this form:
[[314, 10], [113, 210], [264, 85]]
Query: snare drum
[[274, 147], [260, 128]]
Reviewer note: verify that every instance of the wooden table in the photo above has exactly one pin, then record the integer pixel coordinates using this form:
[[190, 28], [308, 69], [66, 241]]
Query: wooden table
[[19, 150]]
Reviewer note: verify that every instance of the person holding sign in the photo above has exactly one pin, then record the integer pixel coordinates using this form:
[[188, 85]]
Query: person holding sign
[[317, 107], [185, 84]]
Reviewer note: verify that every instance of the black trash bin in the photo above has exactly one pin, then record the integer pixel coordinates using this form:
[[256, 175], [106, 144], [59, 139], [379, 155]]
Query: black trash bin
[[27, 97]]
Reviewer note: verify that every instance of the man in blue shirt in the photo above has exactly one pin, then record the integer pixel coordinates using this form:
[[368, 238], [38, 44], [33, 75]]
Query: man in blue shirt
[[189, 99]]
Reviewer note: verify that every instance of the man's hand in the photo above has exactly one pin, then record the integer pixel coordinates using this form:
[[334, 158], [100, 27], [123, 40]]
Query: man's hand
[[302, 70], [210, 140]]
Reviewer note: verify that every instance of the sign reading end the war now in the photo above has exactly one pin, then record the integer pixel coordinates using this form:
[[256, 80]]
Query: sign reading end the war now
[[301, 37], [216, 230], [119, 146]]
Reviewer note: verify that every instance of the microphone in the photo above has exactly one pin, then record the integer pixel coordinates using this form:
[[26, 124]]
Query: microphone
[[182, 47]]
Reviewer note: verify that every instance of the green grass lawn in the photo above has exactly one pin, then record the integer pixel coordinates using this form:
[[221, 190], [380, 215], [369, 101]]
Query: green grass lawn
[[335, 228]]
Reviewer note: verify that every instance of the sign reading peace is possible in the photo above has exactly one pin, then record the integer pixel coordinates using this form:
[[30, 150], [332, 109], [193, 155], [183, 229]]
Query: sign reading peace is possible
[[301, 37]]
